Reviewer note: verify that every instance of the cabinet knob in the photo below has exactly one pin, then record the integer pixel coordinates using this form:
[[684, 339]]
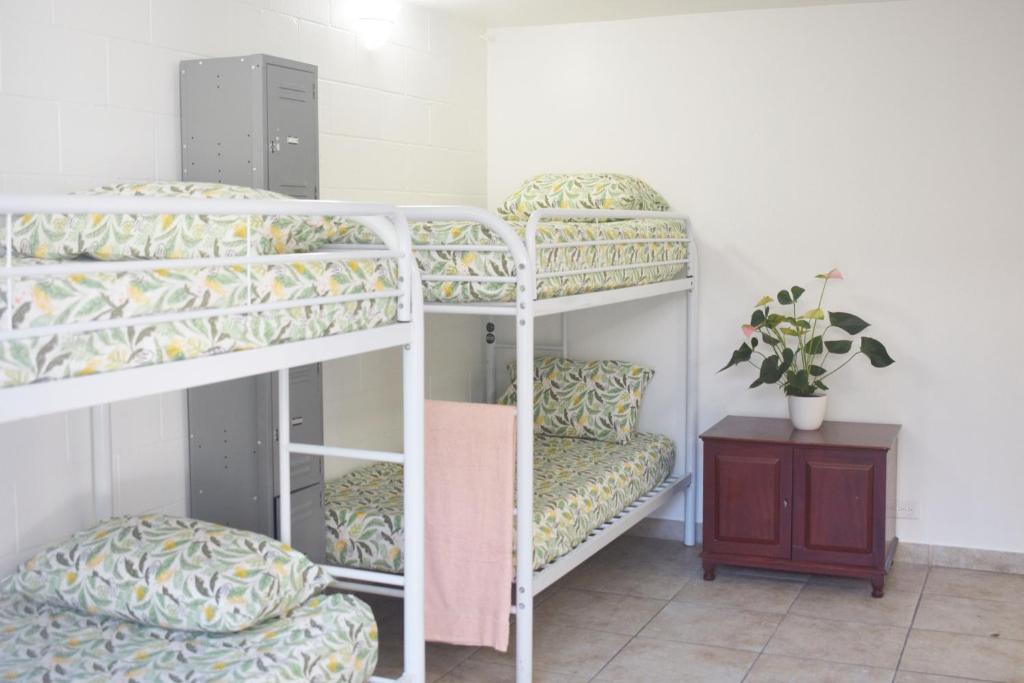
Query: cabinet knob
[[785, 502]]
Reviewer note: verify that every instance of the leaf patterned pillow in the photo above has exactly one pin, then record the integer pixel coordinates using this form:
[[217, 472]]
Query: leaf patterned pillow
[[115, 236], [174, 573], [597, 400], [581, 191]]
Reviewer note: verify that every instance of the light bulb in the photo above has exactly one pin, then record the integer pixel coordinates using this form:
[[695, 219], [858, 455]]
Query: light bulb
[[375, 21]]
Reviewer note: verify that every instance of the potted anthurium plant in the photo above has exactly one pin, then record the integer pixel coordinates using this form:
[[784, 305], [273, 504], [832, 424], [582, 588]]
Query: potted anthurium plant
[[792, 350]]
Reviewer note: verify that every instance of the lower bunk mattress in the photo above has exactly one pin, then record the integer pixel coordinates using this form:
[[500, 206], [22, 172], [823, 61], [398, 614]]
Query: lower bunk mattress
[[44, 301], [579, 485], [329, 638]]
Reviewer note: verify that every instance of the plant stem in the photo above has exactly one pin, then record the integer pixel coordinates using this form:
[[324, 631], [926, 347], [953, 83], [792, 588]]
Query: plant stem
[[827, 374]]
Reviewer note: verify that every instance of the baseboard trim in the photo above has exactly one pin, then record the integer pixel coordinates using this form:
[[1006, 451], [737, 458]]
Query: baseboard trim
[[918, 553]]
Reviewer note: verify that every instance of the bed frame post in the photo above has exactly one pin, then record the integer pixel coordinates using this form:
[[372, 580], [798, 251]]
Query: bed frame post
[[524, 472], [490, 371], [284, 457], [692, 329], [414, 499], [102, 462]]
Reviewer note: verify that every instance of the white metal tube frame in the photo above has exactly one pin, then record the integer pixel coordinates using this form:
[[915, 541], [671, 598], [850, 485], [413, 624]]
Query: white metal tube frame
[[97, 390], [525, 309]]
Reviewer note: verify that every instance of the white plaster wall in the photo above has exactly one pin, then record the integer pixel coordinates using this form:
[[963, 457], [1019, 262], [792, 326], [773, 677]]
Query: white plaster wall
[[885, 139], [89, 95]]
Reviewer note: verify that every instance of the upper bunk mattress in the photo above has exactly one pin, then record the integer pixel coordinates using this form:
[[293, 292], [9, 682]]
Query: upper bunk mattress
[[329, 638], [51, 300], [583, 245], [579, 485]]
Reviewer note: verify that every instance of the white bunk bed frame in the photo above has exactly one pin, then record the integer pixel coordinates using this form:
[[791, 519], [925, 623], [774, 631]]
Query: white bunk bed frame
[[524, 311], [97, 391]]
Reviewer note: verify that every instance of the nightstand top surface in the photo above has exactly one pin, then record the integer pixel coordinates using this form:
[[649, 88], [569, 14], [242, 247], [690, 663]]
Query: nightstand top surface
[[781, 431]]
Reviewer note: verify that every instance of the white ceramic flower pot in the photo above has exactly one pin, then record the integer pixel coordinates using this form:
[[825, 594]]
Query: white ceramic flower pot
[[807, 412]]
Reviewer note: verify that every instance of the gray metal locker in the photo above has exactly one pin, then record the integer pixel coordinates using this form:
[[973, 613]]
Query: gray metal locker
[[253, 121]]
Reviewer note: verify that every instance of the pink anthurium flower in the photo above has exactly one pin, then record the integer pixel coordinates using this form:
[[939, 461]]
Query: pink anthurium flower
[[749, 330], [834, 274]]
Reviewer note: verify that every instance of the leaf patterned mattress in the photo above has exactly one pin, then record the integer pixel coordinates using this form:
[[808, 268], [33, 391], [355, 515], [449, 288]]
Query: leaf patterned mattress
[[579, 485], [571, 257], [49, 300], [329, 638]]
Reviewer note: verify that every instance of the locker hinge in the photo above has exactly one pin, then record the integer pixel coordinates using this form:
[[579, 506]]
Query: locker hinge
[[276, 435]]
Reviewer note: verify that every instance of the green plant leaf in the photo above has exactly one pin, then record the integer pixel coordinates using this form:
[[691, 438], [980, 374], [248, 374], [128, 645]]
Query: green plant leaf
[[817, 371], [814, 314], [774, 319], [790, 331], [847, 322], [821, 385], [768, 339], [753, 342], [838, 345], [757, 318], [814, 346], [875, 351], [796, 291], [764, 300], [770, 372], [784, 298], [740, 355], [755, 384]]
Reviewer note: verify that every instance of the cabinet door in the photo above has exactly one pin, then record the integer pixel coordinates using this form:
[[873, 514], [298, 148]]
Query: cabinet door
[[292, 132], [746, 499], [838, 495]]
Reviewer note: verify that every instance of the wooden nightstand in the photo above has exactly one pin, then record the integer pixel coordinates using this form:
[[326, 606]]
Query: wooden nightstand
[[822, 502]]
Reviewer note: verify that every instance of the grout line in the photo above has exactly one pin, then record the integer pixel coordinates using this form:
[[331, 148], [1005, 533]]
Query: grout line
[[906, 638]]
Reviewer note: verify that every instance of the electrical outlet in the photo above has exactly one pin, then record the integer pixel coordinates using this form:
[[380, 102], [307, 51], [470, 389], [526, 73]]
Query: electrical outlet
[[906, 509]]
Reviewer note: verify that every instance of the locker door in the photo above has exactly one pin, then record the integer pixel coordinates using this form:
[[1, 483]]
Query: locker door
[[309, 526], [307, 412], [223, 476], [292, 131]]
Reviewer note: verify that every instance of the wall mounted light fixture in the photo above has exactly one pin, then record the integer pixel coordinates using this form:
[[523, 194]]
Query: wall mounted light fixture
[[375, 21]]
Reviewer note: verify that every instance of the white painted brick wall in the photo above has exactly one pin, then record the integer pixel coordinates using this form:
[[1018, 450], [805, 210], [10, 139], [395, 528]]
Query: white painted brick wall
[[89, 95]]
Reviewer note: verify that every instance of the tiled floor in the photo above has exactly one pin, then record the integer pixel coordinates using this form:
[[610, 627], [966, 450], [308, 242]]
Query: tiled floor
[[640, 612]]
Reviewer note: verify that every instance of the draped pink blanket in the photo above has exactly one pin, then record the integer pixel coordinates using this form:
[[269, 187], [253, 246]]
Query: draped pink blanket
[[470, 480]]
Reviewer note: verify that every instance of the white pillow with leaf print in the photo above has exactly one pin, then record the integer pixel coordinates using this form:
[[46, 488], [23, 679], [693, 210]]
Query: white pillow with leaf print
[[174, 573], [124, 236], [598, 400], [581, 191]]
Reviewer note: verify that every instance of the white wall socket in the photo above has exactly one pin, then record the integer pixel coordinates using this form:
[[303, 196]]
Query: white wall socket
[[906, 509]]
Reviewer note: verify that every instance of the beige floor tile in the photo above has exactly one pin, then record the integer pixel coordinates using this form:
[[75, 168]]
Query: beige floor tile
[[652, 549], [662, 661], [846, 603], [484, 672], [975, 617], [780, 669], [707, 625], [956, 654], [838, 641], [642, 579], [730, 570], [913, 677], [902, 577], [563, 649], [743, 592], [967, 583], [610, 612]]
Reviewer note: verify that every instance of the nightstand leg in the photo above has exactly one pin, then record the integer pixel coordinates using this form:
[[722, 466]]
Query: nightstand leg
[[709, 571], [878, 586]]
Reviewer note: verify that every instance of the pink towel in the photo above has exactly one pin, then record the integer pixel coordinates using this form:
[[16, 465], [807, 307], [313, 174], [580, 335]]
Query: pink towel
[[470, 480]]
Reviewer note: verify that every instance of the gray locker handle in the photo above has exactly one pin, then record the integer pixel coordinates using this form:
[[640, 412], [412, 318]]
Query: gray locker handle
[[296, 421], [275, 145]]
